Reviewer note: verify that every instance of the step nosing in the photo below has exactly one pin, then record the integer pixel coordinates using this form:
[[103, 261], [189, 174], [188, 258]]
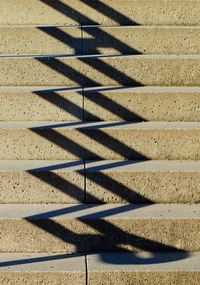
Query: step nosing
[[76, 125], [95, 56], [138, 27]]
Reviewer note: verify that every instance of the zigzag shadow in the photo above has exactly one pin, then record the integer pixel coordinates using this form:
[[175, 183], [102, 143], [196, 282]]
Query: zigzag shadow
[[104, 241]]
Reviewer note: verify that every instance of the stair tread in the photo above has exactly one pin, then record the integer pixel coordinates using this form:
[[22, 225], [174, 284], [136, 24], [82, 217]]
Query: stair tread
[[101, 165], [100, 211], [100, 125], [148, 89], [103, 56], [142, 166], [64, 26], [51, 262], [105, 262], [42, 165], [102, 262]]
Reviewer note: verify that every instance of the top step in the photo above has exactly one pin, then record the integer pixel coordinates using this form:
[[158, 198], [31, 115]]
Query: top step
[[112, 12]]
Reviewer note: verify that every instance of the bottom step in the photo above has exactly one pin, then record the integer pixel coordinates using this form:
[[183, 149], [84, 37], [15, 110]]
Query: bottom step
[[51, 269], [96, 228], [97, 269], [144, 269]]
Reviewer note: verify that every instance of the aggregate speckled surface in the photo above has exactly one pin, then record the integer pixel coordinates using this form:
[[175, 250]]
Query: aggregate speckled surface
[[107, 12], [74, 228], [100, 140], [141, 39], [143, 269], [142, 103], [41, 103], [148, 70], [133, 181], [43, 268]]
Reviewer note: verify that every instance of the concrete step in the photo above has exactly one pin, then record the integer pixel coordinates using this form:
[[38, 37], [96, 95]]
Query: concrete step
[[36, 181], [96, 227], [141, 40], [112, 268], [39, 40], [147, 181], [144, 269], [99, 140], [30, 181], [26, 40], [101, 103], [105, 12], [42, 268], [158, 70], [142, 103], [151, 70], [41, 103]]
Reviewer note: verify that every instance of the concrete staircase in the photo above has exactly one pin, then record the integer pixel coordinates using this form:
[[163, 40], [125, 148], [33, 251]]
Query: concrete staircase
[[99, 142]]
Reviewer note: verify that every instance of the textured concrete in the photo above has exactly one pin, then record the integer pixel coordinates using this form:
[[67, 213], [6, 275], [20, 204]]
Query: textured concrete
[[105, 268], [102, 103], [109, 40], [34, 269], [107, 181], [41, 181], [41, 103], [142, 103], [99, 140], [39, 40], [141, 39], [103, 12], [143, 269], [134, 181], [85, 228], [158, 70]]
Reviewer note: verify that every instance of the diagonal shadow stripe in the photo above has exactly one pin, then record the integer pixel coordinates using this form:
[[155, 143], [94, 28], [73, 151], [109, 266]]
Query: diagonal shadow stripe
[[75, 43], [109, 12], [80, 18], [62, 103], [110, 184], [110, 237]]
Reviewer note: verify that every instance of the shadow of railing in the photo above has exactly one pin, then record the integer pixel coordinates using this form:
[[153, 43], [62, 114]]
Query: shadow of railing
[[81, 18], [103, 226], [106, 236], [110, 237]]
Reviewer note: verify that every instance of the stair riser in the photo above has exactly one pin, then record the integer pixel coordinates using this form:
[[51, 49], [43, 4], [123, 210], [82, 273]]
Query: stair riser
[[50, 105], [40, 40], [106, 186], [93, 40], [42, 187], [163, 187], [96, 278], [34, 278], [99, 144], [144, 106], [86, 235], [144, 278], [43, 106], [131, 71], [103, 12], [141, 40]]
